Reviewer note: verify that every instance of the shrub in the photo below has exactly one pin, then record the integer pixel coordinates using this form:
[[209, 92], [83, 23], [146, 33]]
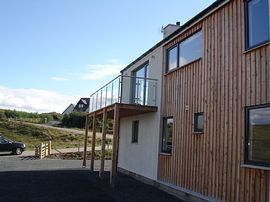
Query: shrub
[[2, 116], [74, 120]]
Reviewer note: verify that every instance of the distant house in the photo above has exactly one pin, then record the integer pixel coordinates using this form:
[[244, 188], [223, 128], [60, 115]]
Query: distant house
[[68, 110], [82, 105]]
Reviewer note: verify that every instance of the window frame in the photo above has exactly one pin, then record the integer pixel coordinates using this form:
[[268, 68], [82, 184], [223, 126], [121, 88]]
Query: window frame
[[195, 129], [135, 132], [165, 134], [247, 34], [81, 106], [247, 134], [177, 57], [133, 85], [178, 53]]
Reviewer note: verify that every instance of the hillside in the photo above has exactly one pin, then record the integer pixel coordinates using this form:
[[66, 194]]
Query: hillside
[[32, 135]]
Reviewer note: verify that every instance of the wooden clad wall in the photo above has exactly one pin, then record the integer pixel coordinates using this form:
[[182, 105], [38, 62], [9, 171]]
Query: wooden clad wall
[[221, 84]]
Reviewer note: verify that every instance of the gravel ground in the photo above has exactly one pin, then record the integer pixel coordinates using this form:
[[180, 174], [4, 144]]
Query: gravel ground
[[30, 180]]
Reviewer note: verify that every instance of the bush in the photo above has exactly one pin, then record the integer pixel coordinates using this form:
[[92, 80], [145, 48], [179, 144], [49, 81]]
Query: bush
[[11, 114], [74, 120], [2, 116], [29, 117]]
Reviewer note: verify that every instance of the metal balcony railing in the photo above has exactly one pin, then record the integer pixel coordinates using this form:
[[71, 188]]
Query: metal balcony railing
[[126, 90]]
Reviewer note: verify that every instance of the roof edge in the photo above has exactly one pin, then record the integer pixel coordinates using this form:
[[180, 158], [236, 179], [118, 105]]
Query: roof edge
[[204, 13]]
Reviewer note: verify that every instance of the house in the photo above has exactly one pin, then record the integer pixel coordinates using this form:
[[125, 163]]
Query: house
[[82, 105], [192, 114], [68, 110]]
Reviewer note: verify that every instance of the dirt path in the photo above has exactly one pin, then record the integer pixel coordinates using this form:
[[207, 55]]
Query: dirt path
[[77, 131]]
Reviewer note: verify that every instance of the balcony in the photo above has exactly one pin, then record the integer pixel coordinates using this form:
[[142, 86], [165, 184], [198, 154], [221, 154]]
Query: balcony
[[138, 92], [123, 96]]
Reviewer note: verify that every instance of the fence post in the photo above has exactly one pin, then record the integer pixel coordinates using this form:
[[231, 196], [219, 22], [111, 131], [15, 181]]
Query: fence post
[[50, 147], [40, 150]]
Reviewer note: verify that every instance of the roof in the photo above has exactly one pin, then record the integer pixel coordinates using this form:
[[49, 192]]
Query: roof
[[85, 100], [197, 17], [71, 105]]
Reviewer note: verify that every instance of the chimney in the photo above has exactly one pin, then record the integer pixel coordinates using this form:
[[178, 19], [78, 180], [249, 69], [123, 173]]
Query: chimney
[[169, 29]]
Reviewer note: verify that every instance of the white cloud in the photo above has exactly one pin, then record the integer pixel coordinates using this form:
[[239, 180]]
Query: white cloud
[[34, 100], [100, 71], [55, 78]]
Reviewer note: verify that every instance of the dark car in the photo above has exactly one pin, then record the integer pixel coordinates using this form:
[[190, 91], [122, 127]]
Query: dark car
[[7, 145]]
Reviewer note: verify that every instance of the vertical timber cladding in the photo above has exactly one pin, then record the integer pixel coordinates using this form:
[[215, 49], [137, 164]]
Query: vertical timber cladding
[[221, 84]]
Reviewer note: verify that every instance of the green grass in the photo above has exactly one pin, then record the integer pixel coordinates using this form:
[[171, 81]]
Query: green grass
[[32, 135], [79, 155]]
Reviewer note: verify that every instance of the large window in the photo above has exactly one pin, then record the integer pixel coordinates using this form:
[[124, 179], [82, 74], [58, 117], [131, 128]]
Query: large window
[[167, 135], [185, 52], [172, 58], [257, 25], [135, 131], [257, 146], [140, 85], [190, 49]]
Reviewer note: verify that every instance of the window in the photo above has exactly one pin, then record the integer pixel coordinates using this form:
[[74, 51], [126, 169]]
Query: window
[[135, 132], [172, 58], [257, 25], [167, 135], [257, 144], [190, 49], [80, 105], [140, 85], [2, 141], [198, 122], [185, 52]]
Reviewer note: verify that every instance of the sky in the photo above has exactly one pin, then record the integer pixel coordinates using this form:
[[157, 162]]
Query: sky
[[54, 52]]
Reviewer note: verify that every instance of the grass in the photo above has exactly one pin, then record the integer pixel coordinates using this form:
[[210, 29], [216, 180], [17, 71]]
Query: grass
[[79, 155], [32, 135]]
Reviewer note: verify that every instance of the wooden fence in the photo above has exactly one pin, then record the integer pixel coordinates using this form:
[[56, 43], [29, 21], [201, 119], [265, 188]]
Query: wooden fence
[[43, 149]]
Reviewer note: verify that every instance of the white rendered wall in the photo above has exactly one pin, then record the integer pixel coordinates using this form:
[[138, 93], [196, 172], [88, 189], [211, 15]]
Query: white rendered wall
[[142, 157]]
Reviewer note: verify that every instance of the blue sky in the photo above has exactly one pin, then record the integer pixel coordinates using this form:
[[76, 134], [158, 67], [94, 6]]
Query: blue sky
[[54, 51]]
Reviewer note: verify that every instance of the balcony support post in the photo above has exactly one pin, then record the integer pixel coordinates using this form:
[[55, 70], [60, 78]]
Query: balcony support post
[[116, 120], [93, 148], [85, 140], [103, 143]]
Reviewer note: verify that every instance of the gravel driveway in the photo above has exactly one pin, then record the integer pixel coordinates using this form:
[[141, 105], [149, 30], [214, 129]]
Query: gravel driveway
[[27, 179]]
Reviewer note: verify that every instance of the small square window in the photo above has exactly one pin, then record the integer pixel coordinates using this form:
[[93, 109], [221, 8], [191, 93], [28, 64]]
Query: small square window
[[135, 131], [198, 122], [167, 135]]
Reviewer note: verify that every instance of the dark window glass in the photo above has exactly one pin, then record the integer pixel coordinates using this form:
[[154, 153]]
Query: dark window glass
[[135, 131], [172, 58], [258, 136], [140, 85], [190, 49], [167, 135], [258, 22], [198, 122], [185, 52]]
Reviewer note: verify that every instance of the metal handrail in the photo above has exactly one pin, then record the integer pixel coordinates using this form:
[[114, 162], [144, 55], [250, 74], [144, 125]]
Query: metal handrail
[[121, 76], [120, 90], [105, 85]]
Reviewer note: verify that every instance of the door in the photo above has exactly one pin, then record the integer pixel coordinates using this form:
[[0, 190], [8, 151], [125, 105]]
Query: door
[[4, 145], [139, 95]]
